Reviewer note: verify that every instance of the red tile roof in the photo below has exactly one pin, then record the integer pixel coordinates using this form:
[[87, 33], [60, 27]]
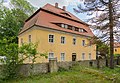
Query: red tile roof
[[117, 44], [49, 14]]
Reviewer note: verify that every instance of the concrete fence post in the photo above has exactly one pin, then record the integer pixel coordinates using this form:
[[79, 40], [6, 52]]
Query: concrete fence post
[[53, 67]]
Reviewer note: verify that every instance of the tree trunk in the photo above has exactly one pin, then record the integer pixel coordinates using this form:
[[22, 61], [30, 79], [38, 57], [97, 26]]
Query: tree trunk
[[111, 35]]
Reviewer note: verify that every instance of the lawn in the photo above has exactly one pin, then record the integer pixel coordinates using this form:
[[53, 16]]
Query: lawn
[[77, 74]]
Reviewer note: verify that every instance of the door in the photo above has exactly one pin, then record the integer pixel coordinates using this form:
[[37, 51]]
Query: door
[[73, 56]]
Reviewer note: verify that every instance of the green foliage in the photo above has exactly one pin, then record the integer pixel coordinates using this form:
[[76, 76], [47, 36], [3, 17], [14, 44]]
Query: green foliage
[[78, 74]]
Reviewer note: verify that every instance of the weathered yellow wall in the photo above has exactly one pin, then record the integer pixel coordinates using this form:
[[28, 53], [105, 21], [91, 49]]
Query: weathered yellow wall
[[68, 48], [117, 50]]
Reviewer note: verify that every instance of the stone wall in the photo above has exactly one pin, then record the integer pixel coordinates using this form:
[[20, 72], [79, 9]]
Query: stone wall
[[28, 69]]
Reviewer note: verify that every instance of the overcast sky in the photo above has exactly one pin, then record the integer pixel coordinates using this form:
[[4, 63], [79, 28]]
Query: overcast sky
[[70, 4]]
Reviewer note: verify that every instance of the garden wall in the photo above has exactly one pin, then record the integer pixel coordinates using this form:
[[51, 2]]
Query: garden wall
[[39, 68]]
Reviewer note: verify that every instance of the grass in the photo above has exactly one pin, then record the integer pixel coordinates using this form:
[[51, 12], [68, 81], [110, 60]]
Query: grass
[[77, 74]]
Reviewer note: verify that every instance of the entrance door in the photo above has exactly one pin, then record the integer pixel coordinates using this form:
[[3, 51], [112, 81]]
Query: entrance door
[[73, 56]]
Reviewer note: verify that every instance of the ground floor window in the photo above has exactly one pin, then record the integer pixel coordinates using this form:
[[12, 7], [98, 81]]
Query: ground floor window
[[83, 56], [51, 55], [62, 56]]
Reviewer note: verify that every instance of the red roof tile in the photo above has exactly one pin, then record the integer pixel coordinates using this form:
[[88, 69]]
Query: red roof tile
[[49, 14], [117, 44]]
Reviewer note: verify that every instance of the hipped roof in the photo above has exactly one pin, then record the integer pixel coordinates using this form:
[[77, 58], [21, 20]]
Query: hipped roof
[[48, 15]]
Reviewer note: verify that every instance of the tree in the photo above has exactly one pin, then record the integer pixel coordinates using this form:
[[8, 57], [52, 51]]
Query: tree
[[102, 49], [107, 17], [12, 19], [13, 61]]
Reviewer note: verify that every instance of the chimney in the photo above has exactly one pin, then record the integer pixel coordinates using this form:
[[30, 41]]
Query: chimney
[[56, 5], [64, 8]]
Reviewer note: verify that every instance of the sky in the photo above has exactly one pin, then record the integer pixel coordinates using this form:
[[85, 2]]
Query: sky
[[70, 4]]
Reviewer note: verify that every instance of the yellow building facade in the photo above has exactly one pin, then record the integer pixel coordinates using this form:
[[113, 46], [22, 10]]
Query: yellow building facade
[[65, 45], [117, 48]]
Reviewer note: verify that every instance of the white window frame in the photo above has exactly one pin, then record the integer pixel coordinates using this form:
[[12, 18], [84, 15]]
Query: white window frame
[[63, 25], [83, 43], [83, 56], [51, 38], [66, 26], [29, 38], [74, 42], [89, 56], [64, 39], [62, 56], [50, 56]]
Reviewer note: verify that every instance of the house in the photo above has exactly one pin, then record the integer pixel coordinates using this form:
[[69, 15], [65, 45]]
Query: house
[[116, 48], [59, 33]]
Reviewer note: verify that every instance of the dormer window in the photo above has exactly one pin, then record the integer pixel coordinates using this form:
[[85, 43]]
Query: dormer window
[[73, 28], [62, 25], [66, 26], [81, 30], [66, 14]]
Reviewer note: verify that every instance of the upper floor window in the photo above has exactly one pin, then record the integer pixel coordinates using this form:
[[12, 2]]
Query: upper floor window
[[115, 50], [51, 38], [83, 56], [83, 42], [62, 40], [51, 55], [29, 37], [62, 56], [74, 41], [89, 56]]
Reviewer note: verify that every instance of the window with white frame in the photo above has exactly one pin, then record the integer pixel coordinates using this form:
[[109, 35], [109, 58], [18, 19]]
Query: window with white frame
[[62, 25], [83, 42], [74, 41], [83, 56], [51, 38], [66, 26], [51, 55], [81, 30], [29, 38], [62, 40], [89, 56], [62, 56]]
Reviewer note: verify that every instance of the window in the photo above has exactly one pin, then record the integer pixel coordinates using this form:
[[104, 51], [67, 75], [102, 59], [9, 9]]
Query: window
[[81, 30], [29, 38], [21, 40], [62, 56], [74, 41], [115, 50], [83, 56], [51, 38], [89, 56], [62, 40], [83, 42], [62, 25], [51, 55], [73, 28], [66, 26]]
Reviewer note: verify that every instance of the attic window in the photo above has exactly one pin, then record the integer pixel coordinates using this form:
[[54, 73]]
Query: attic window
[[62, 25], [73, 28], [81, 30], [66, 14]]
